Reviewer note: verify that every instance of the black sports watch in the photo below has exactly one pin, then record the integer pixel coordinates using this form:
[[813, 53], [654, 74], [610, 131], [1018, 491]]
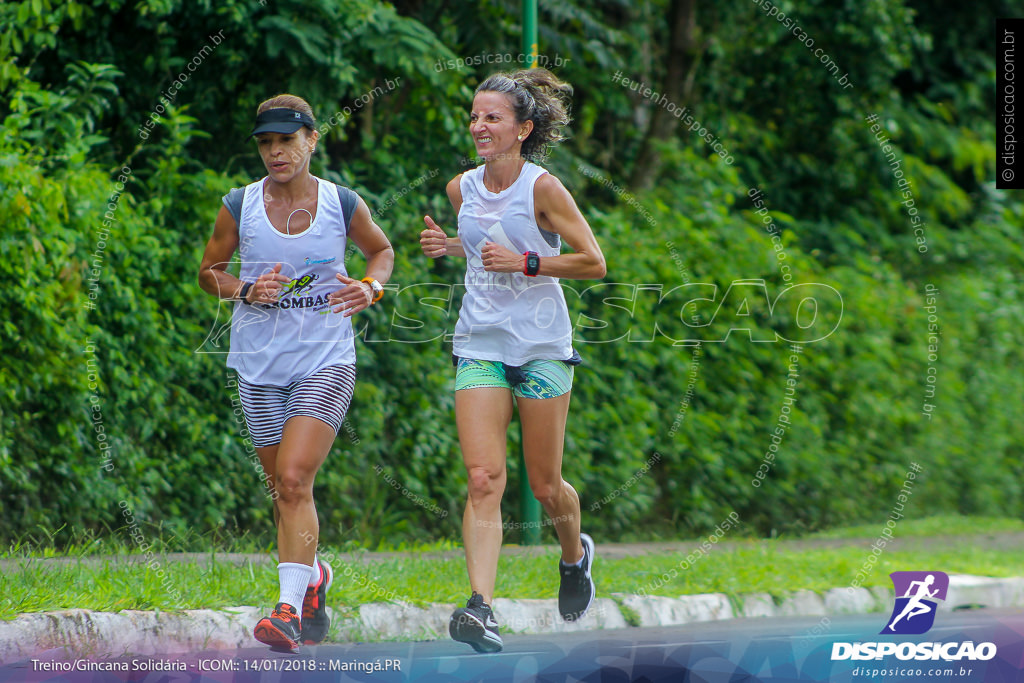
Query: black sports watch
[[245, 292]]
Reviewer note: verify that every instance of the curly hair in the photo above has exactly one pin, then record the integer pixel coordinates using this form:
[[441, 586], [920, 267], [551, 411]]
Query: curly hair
[[536, 95]]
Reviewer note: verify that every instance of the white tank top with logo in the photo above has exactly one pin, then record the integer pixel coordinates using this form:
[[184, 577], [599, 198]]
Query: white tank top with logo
[[508, 317], [298, 336]]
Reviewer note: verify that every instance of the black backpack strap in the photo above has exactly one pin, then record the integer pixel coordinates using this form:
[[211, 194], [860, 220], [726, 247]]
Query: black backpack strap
[[233, 201], [349, 200]]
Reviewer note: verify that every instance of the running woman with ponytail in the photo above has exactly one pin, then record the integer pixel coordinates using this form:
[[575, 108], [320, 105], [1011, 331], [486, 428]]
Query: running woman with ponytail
[[291, 338], [513, 339]]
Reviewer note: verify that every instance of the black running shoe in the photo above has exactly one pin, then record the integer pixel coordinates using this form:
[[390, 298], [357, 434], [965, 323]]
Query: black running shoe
[[315, 620], [474, 624], [281, 630], [576, 593]]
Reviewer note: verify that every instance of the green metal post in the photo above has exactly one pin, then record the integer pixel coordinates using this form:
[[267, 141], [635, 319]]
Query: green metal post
[[530, 33], [529, 506]]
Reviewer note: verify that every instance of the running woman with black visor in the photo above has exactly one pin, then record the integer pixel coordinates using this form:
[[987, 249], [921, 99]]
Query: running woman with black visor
[[292, 343]]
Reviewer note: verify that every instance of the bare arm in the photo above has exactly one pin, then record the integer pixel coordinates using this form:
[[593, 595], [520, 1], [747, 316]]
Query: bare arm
[[433, 240], [380, 260], [213, 275], [556, 212]]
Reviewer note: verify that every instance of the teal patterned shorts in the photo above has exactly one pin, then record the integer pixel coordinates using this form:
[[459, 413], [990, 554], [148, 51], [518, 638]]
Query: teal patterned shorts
[[539, 378]]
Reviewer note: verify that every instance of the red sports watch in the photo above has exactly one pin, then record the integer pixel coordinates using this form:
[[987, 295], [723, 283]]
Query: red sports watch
[[532, 265]]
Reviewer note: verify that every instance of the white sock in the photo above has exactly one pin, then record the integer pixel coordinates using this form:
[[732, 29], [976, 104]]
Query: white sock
[[294, 578], [314, 580], [575, 564]]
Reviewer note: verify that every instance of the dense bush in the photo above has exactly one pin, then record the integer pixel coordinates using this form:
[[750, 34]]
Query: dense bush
[[113, 387]]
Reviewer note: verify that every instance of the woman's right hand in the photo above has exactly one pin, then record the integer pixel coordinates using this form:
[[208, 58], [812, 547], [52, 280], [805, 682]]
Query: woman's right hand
[[433, 241], [267, 287]]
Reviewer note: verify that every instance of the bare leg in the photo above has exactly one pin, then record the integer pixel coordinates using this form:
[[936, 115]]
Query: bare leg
[[482, 416], [268, 459], [543, 441], [304, 446]]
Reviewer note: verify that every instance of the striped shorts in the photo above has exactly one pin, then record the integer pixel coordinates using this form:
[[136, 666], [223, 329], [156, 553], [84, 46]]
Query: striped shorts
[[325, 395]]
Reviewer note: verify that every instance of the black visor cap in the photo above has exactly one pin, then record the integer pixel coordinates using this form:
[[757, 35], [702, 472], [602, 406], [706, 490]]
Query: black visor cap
[[281, 120]]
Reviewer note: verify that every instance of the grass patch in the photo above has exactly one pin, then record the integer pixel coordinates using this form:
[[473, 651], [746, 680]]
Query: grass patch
[[767, 566], [80, 543], [940, 525], [159, 539], [630, 615]]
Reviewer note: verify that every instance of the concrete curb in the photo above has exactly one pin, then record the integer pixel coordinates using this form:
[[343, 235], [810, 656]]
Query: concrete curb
[[84, 632]]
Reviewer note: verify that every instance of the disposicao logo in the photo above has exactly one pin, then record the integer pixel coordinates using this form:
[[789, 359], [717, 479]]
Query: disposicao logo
[[917, 596]]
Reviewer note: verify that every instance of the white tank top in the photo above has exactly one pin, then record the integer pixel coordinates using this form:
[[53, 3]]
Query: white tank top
[[280, 344], [508, 317]]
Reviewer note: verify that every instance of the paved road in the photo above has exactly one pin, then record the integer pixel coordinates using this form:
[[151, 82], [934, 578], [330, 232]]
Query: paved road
[[783, 649]]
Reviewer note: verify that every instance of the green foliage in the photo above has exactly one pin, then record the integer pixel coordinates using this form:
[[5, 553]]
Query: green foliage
[[29, 27], [114, 155], [61, 125]]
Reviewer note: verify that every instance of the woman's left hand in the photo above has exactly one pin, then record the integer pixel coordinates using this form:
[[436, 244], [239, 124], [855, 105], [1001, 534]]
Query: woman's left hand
[[498, 259], [352, 298]]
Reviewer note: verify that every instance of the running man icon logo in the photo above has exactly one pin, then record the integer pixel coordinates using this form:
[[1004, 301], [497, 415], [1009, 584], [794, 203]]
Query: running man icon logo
[[917, 594]]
